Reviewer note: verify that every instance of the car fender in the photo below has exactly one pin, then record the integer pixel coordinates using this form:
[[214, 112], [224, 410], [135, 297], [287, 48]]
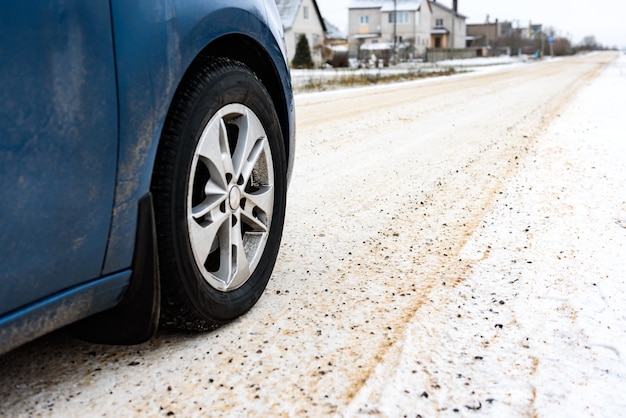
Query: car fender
[[147, 78]]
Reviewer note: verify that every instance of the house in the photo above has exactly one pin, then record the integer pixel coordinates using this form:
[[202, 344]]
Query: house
[[500, 38], [375, 27], [448, 26], [485, 34], [302, 17], [334, 35], [378, 27], [335, 49]]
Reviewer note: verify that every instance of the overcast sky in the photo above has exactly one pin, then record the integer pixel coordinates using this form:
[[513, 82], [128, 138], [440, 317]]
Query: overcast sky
[[574, 19]]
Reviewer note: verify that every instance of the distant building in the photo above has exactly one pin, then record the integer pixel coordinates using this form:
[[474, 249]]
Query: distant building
[[335, 49], [303, 17], [485, 34], [412, 26], [449, 29], [334, 36], [372, 25]]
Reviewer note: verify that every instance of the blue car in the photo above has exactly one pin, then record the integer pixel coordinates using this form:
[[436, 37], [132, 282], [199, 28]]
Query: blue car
[[145, 152]]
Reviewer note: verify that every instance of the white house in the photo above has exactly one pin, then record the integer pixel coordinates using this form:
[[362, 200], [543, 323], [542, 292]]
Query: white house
[[448, 26], [302, 17], [411, 26], [379, 25]]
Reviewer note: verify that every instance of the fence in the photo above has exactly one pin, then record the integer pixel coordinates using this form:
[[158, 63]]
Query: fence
[[440, 54]]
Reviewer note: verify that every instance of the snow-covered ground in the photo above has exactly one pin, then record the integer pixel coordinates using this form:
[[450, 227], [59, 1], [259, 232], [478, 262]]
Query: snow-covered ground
[[479, 62], [539, 322]]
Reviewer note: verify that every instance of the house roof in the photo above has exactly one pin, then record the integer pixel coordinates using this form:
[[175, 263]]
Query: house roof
[[401, 6], [365, 4], [376, 47], [447, 9], [288, 10], [333, 32], [387, 5]]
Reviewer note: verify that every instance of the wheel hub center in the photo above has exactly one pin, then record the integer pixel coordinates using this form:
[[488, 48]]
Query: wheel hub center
[[234, 197]]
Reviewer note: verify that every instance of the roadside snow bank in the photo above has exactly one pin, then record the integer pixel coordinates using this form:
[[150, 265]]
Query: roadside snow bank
[[318, 77]]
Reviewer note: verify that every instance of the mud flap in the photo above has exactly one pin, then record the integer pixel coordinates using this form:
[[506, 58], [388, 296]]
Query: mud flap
[[136, 318]]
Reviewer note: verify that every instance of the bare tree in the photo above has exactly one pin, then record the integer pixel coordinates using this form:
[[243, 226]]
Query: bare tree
[[589, 43]]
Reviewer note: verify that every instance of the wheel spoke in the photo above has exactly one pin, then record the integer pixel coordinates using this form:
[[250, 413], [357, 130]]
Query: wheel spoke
[[203, 236], [225, 271], [248, 165], [260, 202], [215, 196], [241, 264], [249, 146], [234, 268], [215, 154]]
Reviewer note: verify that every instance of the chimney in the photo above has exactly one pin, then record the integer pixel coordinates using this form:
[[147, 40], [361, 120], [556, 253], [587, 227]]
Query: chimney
[[455, 6]]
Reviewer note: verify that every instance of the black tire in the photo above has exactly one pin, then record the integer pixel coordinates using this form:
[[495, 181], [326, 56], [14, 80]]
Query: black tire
[[219, 186]]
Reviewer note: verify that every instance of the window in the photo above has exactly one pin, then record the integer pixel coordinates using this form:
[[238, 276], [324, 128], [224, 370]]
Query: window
[[365, 19], [316, 40], [401, 17], [305, 12], [439, 22]]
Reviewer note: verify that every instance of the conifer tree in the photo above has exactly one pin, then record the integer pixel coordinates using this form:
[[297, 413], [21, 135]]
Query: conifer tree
[[302, 57]]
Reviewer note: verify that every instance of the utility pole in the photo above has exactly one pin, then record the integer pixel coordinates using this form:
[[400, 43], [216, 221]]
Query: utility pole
[[551, 42], [395, 18], [415, 15]]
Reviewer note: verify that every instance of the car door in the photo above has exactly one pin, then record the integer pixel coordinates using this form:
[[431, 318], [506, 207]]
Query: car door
[[58, 145]]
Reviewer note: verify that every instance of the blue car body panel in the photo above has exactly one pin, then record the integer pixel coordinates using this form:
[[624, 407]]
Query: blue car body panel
[[86, 87], [58, 147], [60, 309]]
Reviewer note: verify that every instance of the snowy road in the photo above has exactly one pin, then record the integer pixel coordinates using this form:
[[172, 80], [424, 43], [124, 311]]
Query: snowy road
[[453, 247]]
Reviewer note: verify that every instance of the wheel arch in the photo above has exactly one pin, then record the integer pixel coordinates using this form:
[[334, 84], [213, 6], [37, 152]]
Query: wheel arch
[[242, 48], [149, 77], [174, 41]]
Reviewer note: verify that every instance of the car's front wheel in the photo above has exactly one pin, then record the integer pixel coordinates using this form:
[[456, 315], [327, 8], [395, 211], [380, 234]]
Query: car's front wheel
[[220, 188]]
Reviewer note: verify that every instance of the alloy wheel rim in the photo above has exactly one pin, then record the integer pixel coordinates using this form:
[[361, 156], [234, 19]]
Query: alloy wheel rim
[[230, 197]]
